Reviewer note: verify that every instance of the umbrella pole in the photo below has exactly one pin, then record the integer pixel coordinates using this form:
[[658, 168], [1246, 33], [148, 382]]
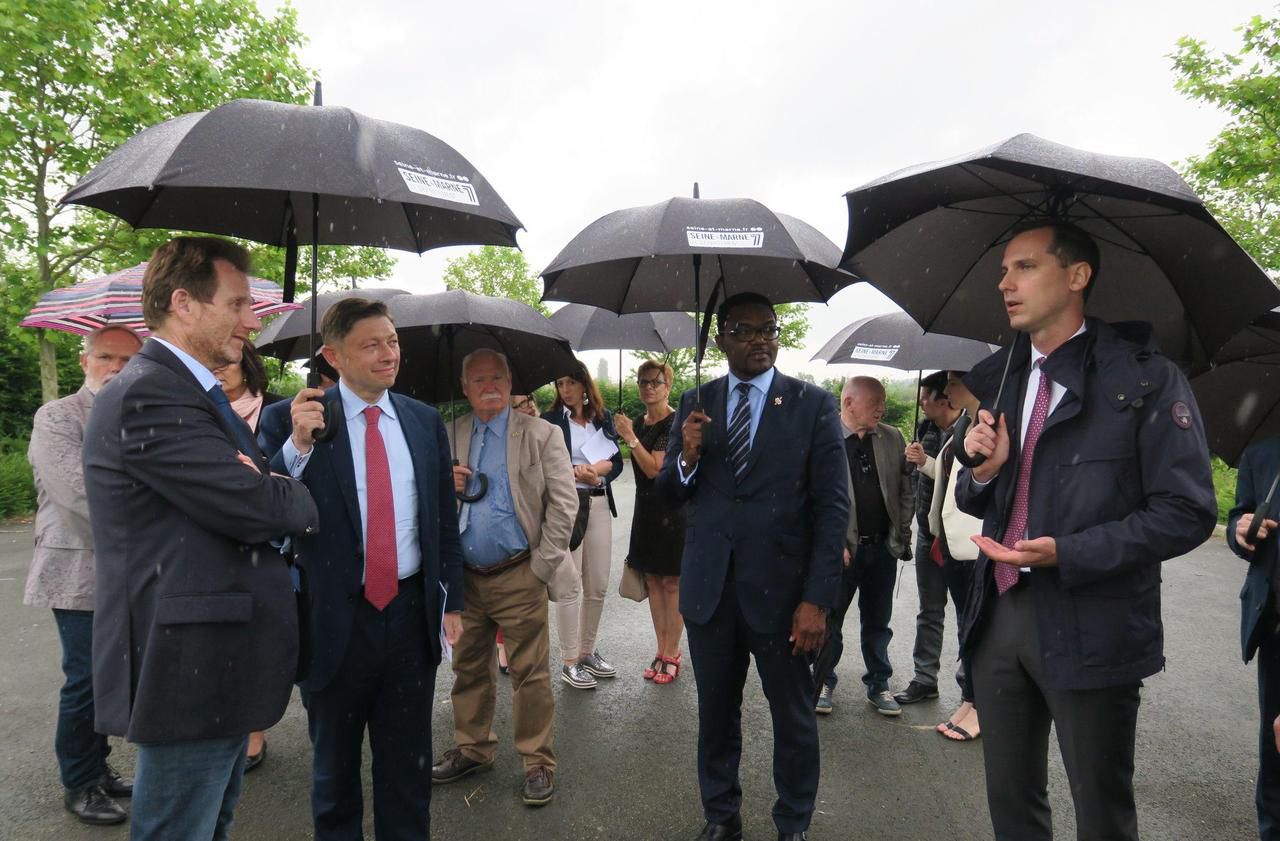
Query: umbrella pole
[[619, 380], [915, 425], [962, 423], [698, 345]]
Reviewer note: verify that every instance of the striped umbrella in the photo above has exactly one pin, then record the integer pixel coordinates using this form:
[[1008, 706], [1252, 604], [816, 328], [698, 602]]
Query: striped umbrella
[[116, 300]]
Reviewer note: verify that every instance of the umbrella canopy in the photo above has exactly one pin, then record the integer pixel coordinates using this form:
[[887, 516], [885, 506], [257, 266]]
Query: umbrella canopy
[[591, 328], [1240, 399], [894, 340], [116, 300], [644, 259], [249, 168], [931, 237], [437, 332]]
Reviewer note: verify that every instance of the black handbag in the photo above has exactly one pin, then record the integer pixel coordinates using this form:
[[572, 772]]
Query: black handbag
[[580, 522]]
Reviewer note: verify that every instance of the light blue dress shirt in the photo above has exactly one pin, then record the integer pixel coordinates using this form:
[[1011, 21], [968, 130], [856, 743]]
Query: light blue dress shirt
[[202, 374], [490, 531], [404, 487], [760, 385]]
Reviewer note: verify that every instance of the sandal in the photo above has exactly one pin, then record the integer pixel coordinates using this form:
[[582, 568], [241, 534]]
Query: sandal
[[652, 669], [664, 677], [962, 735]]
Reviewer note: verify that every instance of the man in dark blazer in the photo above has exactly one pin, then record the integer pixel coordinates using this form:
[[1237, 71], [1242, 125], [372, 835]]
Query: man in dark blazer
[[1260, 613], [763, 473], [381, 585], [1095, 473], [195, 628]]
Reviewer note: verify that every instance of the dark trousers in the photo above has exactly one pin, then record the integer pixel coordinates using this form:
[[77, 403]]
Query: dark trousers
[[1096, 731], [1268, 791], [871, 575], [721, 651], [81, 752], [385, 683]]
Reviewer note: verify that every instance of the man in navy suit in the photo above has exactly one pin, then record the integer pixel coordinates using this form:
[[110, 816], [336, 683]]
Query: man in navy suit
[[1260, 614], [764, 475], [375, 586]]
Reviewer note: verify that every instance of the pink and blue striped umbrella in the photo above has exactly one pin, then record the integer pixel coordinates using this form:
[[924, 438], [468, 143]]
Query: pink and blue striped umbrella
[[116, 300]]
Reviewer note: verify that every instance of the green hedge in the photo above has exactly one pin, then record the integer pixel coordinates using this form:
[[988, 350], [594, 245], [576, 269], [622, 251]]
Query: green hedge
[[17, 487]]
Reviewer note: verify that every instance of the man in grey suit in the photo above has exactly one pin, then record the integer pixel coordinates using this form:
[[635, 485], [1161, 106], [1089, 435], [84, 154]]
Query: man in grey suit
[[61, 577], [879, 533], [195, 628]]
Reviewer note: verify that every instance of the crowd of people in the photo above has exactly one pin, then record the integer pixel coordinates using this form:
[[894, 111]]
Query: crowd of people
[[206, 545]]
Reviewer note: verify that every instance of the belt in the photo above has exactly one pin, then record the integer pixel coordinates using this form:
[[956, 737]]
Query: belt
[[501, 566], [870, 539]]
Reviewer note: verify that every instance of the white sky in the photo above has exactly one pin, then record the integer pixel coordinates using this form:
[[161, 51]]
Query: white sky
[[575, 109]]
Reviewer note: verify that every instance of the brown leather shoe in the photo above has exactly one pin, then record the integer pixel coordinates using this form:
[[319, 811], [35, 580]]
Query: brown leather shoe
[[455, 765], [538, 786]]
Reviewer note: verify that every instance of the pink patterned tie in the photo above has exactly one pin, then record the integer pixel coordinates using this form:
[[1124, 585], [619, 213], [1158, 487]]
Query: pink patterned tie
[[1007, 574], [380, 580]]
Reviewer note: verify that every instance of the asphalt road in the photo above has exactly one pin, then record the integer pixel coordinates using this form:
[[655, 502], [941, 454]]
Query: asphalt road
[[627, 750]]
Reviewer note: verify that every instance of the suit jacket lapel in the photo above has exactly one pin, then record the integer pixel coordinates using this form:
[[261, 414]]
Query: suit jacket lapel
[[344, 468], [416, 438]]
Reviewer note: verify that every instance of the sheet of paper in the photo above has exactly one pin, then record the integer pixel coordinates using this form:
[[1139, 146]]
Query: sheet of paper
[[599, 447]]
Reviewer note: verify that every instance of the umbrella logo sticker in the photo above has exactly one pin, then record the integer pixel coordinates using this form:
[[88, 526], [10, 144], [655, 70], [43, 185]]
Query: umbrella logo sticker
[[438, 185], [725, 237], [879, 353]]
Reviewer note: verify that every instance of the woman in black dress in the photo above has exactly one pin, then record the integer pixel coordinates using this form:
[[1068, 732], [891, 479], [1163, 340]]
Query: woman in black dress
[[657, 530]]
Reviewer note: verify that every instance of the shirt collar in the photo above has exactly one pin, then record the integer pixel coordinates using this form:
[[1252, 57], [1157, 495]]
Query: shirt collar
[[202, 374], [353, 404], [761, 381], [1036, 355], [497, 424]]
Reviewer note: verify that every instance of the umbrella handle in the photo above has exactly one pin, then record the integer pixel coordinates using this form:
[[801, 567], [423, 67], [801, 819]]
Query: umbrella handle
[[478, 495], [332, 408], [1261, 514], [960, 430]]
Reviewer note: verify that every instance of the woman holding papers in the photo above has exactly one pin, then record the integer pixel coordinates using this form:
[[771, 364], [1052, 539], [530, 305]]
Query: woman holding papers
[[579, 587]]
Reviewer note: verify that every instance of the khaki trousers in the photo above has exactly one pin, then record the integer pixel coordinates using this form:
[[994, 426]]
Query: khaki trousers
[[580, 584], [516, 601]]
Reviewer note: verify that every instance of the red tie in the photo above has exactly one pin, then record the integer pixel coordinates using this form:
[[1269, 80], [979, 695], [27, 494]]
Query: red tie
[[1007, 574], [380, 580]]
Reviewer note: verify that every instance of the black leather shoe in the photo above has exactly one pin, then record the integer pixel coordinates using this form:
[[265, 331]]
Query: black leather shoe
[[729, 831], [455, 765], [253, 760], [538, 787], [915, 693], [92, 805], [114, 784], [792, 836]]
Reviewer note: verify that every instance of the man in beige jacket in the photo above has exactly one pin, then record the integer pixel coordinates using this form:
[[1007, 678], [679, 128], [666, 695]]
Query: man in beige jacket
[[513, 539], [61, 577]]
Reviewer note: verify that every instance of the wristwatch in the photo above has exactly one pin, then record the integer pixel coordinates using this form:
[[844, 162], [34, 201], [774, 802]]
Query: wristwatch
[[633, 443]]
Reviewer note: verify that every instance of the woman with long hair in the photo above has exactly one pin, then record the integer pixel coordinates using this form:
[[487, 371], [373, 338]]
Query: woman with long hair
[[657, 530], [579, 587]]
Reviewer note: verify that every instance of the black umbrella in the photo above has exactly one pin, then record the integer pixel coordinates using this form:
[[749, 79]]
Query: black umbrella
[[894, 340], [436, 332], [285, 174], [931, 237], [592, 328], [686, 254]]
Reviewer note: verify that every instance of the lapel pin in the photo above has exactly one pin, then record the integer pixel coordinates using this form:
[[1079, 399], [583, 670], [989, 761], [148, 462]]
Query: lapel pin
[[777, 401]]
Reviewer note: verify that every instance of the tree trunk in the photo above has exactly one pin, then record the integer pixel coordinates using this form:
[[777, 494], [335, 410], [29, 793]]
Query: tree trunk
[[48, 369]]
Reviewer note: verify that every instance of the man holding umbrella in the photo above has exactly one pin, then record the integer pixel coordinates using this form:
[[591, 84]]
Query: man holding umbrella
[[764, 475], [1096, 471]]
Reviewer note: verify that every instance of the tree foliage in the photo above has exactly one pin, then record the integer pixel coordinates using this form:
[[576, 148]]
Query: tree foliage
[[1239, 176], [496, 272], [79, 77]]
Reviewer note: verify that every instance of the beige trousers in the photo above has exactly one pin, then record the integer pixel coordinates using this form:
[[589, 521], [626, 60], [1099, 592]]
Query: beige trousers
[[517, 601], [580, 584]]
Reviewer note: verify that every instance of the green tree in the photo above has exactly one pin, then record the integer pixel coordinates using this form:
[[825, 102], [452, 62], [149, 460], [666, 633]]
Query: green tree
[[496, 272], [792, 318], [79, 77], [1239, 176]]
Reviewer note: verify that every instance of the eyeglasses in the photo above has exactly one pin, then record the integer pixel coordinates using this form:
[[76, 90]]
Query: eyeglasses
[[651, 383], [522, 404], [747, 332]]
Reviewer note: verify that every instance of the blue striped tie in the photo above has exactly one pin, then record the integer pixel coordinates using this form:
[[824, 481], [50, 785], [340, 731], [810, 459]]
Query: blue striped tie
[[740, 431]]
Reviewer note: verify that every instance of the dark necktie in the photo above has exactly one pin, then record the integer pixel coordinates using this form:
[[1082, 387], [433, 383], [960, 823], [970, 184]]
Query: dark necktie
[[1007, 574], [239, 429], [380, 567], [740, 431]]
